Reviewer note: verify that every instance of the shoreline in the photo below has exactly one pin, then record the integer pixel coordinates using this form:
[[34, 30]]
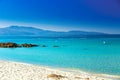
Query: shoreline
[[10, 70], [92, 73], [78, 71]]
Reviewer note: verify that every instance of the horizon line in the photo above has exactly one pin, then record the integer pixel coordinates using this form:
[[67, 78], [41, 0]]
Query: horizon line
[[54, 30]]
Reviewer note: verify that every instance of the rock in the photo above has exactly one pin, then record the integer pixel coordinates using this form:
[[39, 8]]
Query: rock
[[28, 45], [44, 46], [8, 45], [55, 46], [55, 76], [14, 45]]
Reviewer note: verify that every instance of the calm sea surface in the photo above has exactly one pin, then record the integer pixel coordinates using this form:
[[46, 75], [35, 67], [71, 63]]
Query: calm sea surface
[[78, 53]]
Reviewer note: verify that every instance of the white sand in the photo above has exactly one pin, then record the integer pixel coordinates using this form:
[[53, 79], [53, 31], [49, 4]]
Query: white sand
[[22, 71]]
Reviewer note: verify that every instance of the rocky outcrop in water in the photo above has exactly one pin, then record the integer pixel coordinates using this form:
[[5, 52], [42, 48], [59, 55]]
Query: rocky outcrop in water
[[43, 46], [8, 45], [29, 45], [15, 45], [55, 46]]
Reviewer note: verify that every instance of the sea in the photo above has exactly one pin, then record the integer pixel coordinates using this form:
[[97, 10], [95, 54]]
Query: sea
[[96, 55]]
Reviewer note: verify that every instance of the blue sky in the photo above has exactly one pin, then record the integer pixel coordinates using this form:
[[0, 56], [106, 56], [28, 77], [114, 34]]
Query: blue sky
[[62, 15]]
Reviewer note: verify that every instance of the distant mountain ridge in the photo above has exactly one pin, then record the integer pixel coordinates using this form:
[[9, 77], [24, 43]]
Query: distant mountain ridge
[[21, 30]]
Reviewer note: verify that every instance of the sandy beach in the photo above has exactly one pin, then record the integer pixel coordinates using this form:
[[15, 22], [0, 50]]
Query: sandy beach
[[22, 71]]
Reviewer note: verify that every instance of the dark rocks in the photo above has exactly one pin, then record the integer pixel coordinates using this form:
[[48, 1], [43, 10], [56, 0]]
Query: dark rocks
[[29, 45], [55, 46], [8, 45], [14, 45], [55, 76], [44, 46]]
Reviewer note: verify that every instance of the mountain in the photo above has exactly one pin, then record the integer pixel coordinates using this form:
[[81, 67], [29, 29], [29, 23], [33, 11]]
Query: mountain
[[21, 30]]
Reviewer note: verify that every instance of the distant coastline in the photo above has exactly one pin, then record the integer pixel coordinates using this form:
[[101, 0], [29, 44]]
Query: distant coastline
[[31, 31]]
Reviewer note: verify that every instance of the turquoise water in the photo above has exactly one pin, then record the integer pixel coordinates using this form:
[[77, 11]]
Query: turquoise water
[[78, 53]]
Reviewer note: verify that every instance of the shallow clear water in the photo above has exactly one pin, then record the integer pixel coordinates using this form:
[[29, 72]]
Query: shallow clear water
[[79, 53]]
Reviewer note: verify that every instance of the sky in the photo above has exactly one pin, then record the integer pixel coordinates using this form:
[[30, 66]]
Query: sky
[[62, 15]]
